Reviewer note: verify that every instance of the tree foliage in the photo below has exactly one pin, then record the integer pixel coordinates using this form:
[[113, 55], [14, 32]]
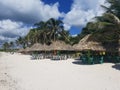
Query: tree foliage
[[45, 33], [105, 28], [112, 7]]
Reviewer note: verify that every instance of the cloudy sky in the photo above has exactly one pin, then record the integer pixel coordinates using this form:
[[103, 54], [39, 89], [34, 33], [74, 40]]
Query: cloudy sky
[[18, 16]]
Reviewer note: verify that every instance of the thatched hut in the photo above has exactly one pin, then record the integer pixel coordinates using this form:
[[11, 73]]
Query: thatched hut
[[60, 46], [22, 50], [39, 47], [86, 44]]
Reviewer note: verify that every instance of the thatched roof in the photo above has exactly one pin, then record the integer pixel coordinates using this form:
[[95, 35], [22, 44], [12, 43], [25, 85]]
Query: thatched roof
[[57, 45], [86, 44], [39, 47], [22, 50], [60, 45], [27, 49]]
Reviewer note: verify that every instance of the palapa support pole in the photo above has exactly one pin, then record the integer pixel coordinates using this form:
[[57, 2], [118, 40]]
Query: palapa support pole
[[54, 52], [44, 51]]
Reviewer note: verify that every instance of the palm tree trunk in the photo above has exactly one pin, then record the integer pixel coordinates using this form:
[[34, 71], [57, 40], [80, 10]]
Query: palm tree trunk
[[44, 43], [119, 45], [54, 45]]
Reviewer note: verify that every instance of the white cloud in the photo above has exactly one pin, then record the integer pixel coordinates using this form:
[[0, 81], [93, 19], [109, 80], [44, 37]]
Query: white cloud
[[15, 14], [6, 39], [67, 27], [8, 24], [74, 35], [28, 10], [82, 11], [11, 30]]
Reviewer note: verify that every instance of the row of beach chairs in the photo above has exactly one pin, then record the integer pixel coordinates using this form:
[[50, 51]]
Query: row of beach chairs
[[37, 56], [53, 57], [92, 60]]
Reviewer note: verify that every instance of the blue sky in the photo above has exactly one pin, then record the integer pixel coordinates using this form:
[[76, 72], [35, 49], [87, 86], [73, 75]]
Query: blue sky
[[64, 5], [18, 16]]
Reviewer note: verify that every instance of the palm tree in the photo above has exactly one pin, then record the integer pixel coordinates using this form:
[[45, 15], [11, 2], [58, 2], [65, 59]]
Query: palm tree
[[22, 41], [43, 31], [113, 7], [90, 28], [109, 27], [108, 32], [32, 37], [6, 46], [11, 44], [56, 29]]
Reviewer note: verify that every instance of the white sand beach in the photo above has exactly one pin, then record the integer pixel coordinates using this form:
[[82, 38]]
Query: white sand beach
[[19, 72]]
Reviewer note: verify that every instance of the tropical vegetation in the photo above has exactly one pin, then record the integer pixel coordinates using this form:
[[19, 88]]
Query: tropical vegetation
[[8, 46], [105, 29], [45, 32]]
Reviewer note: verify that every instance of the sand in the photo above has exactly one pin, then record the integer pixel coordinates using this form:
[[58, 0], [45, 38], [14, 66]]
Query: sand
[[19, 72]]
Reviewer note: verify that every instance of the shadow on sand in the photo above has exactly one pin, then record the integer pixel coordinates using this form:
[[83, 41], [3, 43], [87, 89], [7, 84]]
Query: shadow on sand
[[79, 62], [116, 66]]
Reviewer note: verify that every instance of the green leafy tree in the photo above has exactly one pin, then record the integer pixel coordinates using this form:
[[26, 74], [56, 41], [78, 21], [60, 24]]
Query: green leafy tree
[[6, 46], [11, 44]]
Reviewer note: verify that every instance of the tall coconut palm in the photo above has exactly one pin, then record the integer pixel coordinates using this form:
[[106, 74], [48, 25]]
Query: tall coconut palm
[[112, 7], [109, 27], [21, 41], [33, 36], [108, 32], [6, 46], [11, 44], [56, 28], [43, 31], [90, 28]]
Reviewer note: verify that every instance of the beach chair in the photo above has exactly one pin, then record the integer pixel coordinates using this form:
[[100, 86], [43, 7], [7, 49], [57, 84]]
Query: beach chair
[[83, 58], [101, 59], [91, 60], [64, 57], [34, 56], [56, 57], [40, 56], [118, 59]]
